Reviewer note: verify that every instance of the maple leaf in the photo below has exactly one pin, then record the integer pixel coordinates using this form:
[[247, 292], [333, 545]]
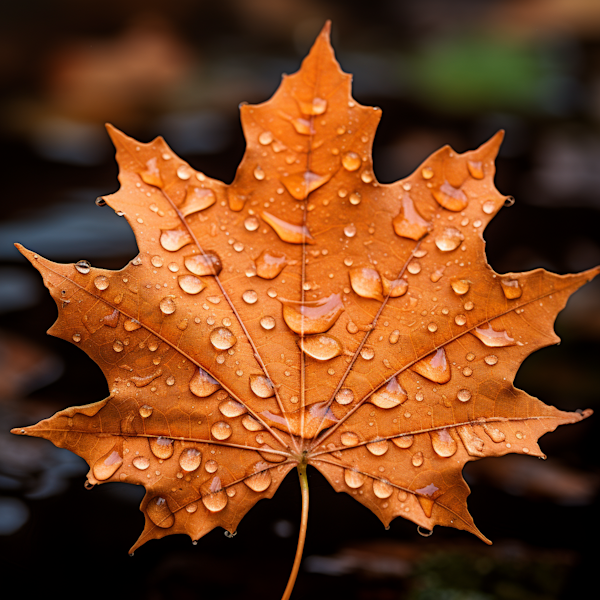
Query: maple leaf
[[303, 315]]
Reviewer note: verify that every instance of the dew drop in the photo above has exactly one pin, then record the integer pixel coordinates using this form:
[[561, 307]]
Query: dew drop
[[511, 288], [367, 353], [101, 282], [475, 169], [491, 360], [141, 463], [493, 338], [259, 173], [288, 232], [378, 448], [107, 465], [470, 356], [321, 347], [450, 197], [267, 323], [473, 443], [118, 346], [434, 367], [203, 385], [231, 408], [390, 396], [409, 223], [312, 316], [351, 161], [159, 513], [488, 207], [443, 443], [192, 507], [300, 185], [417, 459], [394, 336], [467, 371], [211, 466], [146, 411], [222, 338], [156, 261], [251, 224], [270, 263], [427, 172], [366, 282], [265, 138], [262, 386], [449, 239], [197, 199], [460, 320], [76, 337], [203, 264], [167, 305], [355, 198], [174, 239], [131, 325], [251, 424], [216, 501], [414, 267], [460, 286], [184, 172], [317, 107], [352, 327], [463, 395], [161, 447], [261, 481], [432, 327], [349, 438], [190, 459], [221, 430], [83, 266], [249, 296], [350, 230], [405, 441], [353, 479], [495, 434]]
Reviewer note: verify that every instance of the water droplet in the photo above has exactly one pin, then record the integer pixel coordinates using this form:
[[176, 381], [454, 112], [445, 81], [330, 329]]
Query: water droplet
[[491, 360], [394, 336], [443, 443], [470, 356], [267, 323], [434, 367], [460, 320], [192, 507], [202, 384], [488, 207], [460, 286], [467, 371], [511, 288], [349, 438], [161, 447], [367, 353], [366, 282], [469, 305], [259, 173], [211, 466], [76, 337], [118, 346], [106, 466], [494, 433], [190, 459], [174, 239], [262, 386], [437, 274], [251, 224], [101, 282], [351, 161], [382, 489], [449, 239], [221, 430], [463, 395], [378, 448], [251, 424], [344, 396], [249, 296], [473, 443], [350, 230], [414, 267], [475, 168], [366, 176], [409, 223], [83, 266], [151, 175], [450, 197], [427, 172], [159, 513], [167, 305], [131, 325], [395, 288], [492, 338], [216, 501], [417, 459], [288, 232], [265, 138], [184, 172], [141, 463], [389, 396], [313, 316], [405, 441], [352, 327], [261, 481], [231, 408], [353, 479], [197, 199], [300, 185], [222, 338], [321, 347], [145, 411], [355, 198], [317, 107], [303, 126], [270, 456], [270, 263], [432, 327], [203, 264]]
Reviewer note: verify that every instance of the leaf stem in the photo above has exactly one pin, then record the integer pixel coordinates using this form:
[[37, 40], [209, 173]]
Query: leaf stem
[[302, 535]]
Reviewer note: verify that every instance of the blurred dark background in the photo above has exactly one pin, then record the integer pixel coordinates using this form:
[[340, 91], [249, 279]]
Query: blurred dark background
[[444, 72]]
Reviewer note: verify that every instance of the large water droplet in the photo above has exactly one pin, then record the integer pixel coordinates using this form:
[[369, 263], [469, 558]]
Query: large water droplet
[[492, 338], [349, 438], [216, 501], [378, 448], [265, 138], [303, 126], [83, 266], [355, 198], [262, 386], [390, 395], [259, 173], [473, 443], [221, 430], [450, 197], [203, 264], [191, 284], [174, 239], [251, 424], [107, 465], [151, 175], [460, 286], [475, 168], [460, 320], [167, 305], [159, 513], [495, 434], [488, 207], [443, 443], [288, 232], [161, 447], [511, 288], [351, 161], [144, 380], [131, 325], [409, 223], [145, 411], [141, 463], [382, 489], [449, 239], [190, 459], [270, 263], [344, 396], [261, 480], [463, 395], [434, 367], [405, 441], [231, 408], [321, 346], [314, 316], [251, 223], [270, 456], [118, 346], [101, 282], [249, 296], [184, 172], [202, 384], [222, 338], [353, 479], [267, 322], [300, 185], [491, 360], [197, 199], [366, 282], [317, 107], [417, 459]]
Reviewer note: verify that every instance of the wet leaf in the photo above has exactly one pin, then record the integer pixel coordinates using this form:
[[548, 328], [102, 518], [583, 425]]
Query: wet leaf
[[304, 314]]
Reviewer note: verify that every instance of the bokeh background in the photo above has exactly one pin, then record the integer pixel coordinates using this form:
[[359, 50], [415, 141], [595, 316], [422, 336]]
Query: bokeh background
[[444, 72]]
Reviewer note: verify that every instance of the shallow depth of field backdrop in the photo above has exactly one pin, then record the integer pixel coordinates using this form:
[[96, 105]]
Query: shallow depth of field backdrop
[[443, 72]]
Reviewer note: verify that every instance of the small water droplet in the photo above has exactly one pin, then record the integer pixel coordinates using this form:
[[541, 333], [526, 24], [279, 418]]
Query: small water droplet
[[76, 337], [473, 443], [318, 106], [366, 282], [83, 266], [469, 305], [192, 507], [249, 296], [159, 513], [432, 327], [491, 360], [262, 386], [417, 459], [475, 168], [511, 288], [221, 430], [265, 138], [222, 338], [101, 282], [272, 293], [106, 466], [463, 395], [197, 199], [350, 230], [231, 408], [131, 325], [352, 327], [467, 371], [145, 411], [488, 207], [267, 322], [460, 286], [190, 459], [288, 232], [409, 223], [367, 353], [251, 424], [351, 161], [449, 239], [141, 463], [211, 466], [156, 261], [167, 305], [355, 198], [251, 224], [414, 267], [216, 501], [495, 434], [322, 347], [344, 396], [184, 172], [118, 346], [312, 316], [270, 263], [427, 172], [202, 384], [470, 356], [173, 267], [443, 443], [259, 173], [394, 336], [460, 320], [161, 447]]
